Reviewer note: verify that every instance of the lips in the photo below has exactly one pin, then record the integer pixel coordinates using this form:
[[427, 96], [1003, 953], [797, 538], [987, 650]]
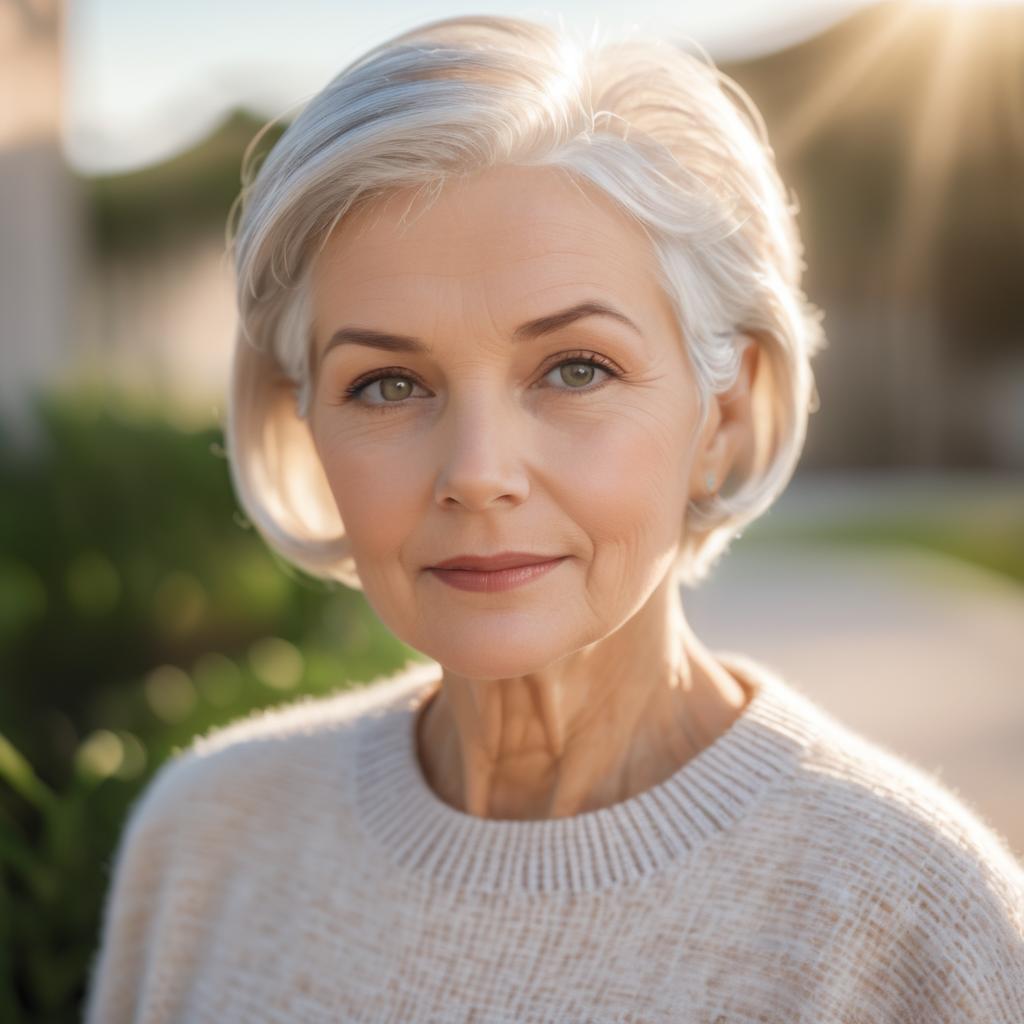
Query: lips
[[492, 563]]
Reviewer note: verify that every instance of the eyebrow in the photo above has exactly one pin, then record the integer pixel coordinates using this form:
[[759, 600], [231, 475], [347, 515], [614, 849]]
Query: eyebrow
[[525, 332]]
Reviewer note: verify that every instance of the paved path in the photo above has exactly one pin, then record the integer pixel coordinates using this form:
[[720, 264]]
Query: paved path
[[921, 653]]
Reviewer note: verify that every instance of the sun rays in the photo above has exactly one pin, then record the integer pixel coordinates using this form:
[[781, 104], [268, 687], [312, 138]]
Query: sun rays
[[960, 68]]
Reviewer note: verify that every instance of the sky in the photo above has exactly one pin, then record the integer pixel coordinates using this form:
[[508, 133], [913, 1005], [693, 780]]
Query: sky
[[145, 80]]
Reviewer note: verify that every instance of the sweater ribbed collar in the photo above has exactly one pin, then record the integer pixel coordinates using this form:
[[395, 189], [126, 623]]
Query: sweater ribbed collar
[[610, 847]]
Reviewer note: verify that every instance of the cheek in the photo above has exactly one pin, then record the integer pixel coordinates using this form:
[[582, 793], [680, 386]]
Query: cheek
[[626, 479], [376, 504]]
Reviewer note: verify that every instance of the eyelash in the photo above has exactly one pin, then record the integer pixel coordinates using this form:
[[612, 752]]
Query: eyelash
[[589, 358]]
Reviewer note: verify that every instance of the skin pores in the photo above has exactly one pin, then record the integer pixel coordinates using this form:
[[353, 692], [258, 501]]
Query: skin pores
[[584, 685]]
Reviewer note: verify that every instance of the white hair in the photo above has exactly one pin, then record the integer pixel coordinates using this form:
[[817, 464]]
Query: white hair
[[675, 142]]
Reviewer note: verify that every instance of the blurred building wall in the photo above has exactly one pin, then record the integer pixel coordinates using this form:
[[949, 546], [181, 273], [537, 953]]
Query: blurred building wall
[[41, 244], [163, 325]]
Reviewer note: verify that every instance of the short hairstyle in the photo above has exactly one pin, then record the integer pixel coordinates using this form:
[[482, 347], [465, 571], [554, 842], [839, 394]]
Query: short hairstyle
[[669, 137]]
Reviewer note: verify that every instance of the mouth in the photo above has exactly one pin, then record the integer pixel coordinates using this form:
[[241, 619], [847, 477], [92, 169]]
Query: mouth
[[508, 577], [494, 563]]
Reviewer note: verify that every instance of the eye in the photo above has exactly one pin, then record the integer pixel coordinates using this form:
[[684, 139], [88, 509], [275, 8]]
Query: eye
[[577, 372], [396, 386]]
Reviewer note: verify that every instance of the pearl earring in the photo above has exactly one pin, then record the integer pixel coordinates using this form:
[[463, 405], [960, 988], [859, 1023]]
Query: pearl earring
[[711, 481]]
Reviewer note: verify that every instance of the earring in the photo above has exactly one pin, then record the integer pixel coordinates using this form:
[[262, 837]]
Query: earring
[[711, 481]]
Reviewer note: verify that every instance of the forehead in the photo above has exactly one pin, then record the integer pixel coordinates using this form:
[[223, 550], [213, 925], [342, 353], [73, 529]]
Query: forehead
[[514, 231]]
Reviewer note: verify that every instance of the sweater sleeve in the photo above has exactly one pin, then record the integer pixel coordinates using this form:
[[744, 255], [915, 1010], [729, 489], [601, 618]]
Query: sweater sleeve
[[125, 956], [964, 940]]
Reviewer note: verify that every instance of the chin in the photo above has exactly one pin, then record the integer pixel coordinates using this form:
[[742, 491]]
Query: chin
[[488, 664]]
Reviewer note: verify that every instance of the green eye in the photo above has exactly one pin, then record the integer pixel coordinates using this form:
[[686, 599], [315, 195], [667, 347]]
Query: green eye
[[577, 372], [395, 388]]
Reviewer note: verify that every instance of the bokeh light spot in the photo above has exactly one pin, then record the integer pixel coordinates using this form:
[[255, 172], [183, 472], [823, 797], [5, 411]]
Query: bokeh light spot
[[133, 763], [170, 693], [100, 754], [276, 662]]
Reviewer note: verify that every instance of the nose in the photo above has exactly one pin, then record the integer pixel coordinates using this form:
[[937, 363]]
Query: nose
[[482, 454]]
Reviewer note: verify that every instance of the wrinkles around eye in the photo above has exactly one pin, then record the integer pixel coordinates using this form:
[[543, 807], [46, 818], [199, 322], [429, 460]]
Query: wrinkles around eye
[[605, 370]]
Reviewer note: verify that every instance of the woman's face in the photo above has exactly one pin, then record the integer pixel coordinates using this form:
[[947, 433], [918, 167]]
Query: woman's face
[[487, 435]]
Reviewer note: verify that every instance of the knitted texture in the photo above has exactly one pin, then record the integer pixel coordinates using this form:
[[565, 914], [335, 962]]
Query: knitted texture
[[295, 866]]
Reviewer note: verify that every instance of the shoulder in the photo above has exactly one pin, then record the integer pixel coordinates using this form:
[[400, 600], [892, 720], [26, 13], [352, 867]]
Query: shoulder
[[276, 758], [907, 812], [212, 824], [930, 878], [867, 791], [915, 826]]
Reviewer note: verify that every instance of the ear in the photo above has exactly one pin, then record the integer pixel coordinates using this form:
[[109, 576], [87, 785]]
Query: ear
[[730, 425]]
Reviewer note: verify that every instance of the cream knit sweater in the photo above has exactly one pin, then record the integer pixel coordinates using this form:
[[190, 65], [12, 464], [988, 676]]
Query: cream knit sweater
[[296, 867]]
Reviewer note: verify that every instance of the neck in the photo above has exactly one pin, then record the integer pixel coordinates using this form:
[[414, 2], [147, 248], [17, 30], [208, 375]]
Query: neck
[[605, 724]]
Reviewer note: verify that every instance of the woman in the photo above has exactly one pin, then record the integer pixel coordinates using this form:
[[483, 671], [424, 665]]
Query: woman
[[522, 348]]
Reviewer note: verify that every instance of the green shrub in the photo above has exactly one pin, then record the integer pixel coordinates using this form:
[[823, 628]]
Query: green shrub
[[137, 610]]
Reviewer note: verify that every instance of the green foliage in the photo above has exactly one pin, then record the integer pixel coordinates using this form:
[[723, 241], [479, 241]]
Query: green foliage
[[138, 609]]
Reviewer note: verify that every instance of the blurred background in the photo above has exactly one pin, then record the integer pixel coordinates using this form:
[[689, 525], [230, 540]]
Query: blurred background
[[137, 605]]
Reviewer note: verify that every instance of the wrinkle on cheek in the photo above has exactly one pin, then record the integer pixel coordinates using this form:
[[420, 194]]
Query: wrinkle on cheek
[[663, 464], [622, 504], [621, 558], [361, 443], [663, 435], [633, 451], [634, 495]]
